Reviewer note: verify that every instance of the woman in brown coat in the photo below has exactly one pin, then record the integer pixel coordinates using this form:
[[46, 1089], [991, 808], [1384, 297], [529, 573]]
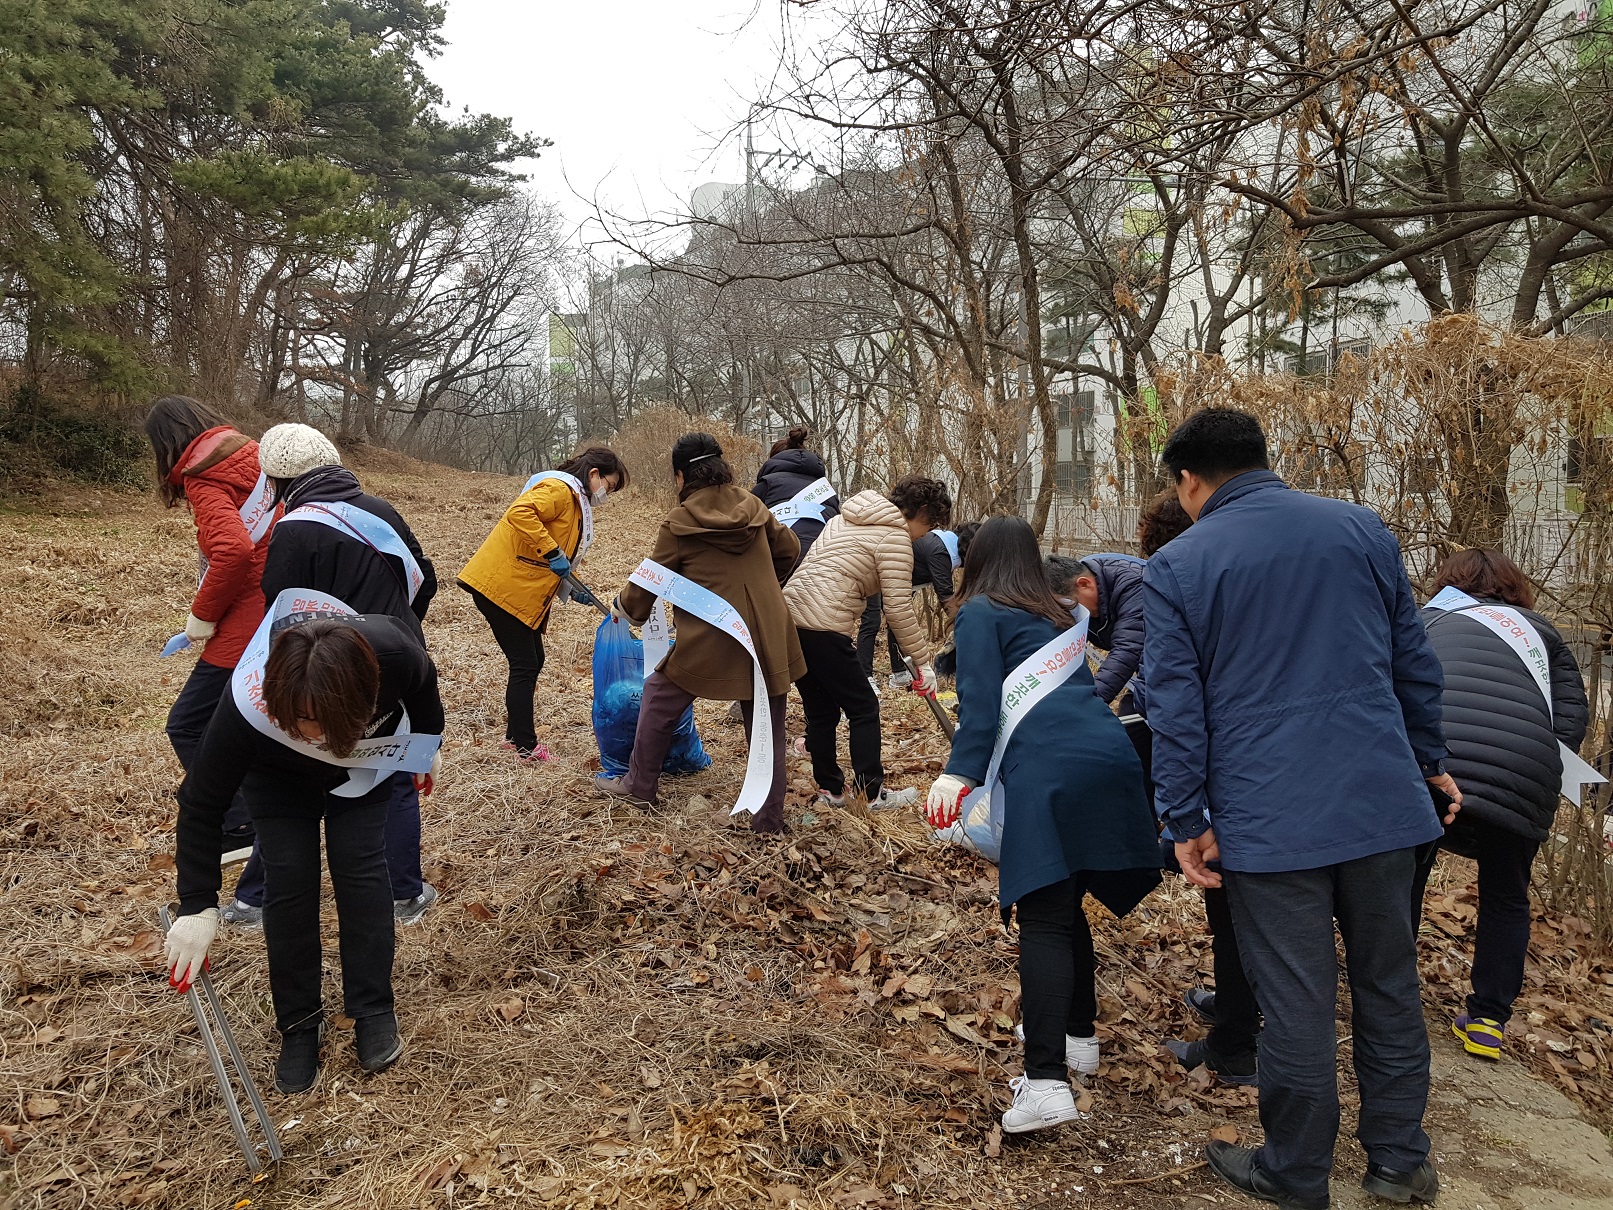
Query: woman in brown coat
[[723, 538]]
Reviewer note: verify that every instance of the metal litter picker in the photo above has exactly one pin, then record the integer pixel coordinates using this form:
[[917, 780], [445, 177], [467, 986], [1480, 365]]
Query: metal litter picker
[[205, 1028], [928, 695]]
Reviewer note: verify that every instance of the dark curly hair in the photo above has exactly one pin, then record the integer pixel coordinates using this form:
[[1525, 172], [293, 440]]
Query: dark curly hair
[[1162, 520], [698, 457], [914, 494]]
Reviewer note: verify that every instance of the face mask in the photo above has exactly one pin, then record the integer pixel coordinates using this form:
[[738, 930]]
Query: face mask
[[597, 496]]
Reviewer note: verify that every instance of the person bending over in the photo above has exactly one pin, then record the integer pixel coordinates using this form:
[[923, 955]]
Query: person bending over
[[867, 549], [725, 540], [326, 684], [518, 571], [1074, 816]]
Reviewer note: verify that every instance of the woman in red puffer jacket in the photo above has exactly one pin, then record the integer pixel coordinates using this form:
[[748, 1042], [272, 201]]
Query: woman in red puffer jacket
[[205, 462]]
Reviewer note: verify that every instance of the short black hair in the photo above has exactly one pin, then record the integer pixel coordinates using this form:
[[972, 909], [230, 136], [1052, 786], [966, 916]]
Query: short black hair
[[1062, 571], [1215, 444]]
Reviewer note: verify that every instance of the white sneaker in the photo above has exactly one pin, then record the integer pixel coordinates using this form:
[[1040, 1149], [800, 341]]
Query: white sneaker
[[1080, 1054], [902, 680], [874, 685], [1039, 1104], [889, 800], [826, 799]]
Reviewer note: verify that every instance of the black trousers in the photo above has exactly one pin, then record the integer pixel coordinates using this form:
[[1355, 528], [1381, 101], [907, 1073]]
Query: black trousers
[[187, 723], [1057, 975], [355, 846], [1501, 942], [834, 684], [1285, 935], [868, 637], [523, 649], [1237, 1015]]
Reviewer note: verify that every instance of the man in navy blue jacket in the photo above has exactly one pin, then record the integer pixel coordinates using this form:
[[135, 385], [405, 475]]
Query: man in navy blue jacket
[[1295, 702]]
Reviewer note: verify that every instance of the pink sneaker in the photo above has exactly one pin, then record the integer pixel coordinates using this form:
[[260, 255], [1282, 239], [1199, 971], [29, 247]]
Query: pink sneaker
[[537, 756]]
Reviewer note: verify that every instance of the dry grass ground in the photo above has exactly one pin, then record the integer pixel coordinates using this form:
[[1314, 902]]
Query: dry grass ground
[[608, 1008]]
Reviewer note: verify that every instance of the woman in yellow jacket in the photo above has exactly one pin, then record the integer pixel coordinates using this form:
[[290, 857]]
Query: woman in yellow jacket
[[515, 575]]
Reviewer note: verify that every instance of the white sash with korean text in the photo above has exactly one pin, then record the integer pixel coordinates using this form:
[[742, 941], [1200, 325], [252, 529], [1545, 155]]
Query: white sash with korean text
[[257, 516], [581, 493], [367, 528], [1515, 630], [981, 824], [805, 505], [373, 759], [706, 605]]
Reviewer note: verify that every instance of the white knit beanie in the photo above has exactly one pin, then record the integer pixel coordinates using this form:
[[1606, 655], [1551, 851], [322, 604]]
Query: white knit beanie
[[289, 450]]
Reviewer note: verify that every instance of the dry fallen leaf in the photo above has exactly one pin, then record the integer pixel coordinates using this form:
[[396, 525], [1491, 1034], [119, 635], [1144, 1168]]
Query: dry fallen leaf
[[40, 1106], [510, 1009], [1225, 1133], [480, 911], [649, 1076], [994, 1143]]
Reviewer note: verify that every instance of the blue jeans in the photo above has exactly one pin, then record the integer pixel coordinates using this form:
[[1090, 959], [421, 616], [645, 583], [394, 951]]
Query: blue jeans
[[187, 723], [1285, 937], [403, 838]]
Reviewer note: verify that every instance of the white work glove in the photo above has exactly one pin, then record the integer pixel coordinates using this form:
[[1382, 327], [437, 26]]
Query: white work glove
[[618, 614], [426, 782], [198, 631], [926, 680], [185, 951], [945, 803]]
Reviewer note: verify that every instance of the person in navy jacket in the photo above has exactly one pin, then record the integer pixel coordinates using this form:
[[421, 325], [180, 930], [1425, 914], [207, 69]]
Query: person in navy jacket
[[1295, 702]]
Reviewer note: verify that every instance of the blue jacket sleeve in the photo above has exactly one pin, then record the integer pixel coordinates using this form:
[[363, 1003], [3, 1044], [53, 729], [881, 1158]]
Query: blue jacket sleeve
[[1125, 605], [1175, 705], [980, 691], [1419, 680]]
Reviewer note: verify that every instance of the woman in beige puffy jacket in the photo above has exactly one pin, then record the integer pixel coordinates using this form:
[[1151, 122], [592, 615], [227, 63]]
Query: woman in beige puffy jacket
[[867, 549]]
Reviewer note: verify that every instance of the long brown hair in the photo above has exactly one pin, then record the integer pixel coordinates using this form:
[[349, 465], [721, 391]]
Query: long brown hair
[[1005, 566], [1486, 573], [795, 439], [172, 424], [324, 671]]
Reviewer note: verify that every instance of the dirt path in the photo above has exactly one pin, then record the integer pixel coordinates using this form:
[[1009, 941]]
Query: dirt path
[[608, 1009]]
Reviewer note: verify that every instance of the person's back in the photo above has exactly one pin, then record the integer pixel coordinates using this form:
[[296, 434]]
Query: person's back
[[1295, 701], [346, 564], [787, 472], [1299, 599]]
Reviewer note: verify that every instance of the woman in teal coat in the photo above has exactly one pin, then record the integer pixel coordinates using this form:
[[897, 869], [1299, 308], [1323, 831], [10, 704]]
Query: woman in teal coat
[[1075, 817]]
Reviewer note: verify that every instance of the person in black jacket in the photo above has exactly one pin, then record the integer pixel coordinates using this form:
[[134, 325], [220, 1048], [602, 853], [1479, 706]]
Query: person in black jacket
[[307, 470], [1110, 586], [328, 682], [1504, 738], [935, 557], [789, 469]]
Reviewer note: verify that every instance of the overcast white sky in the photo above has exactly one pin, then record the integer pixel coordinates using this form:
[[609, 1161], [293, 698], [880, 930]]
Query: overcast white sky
[[635, 94]]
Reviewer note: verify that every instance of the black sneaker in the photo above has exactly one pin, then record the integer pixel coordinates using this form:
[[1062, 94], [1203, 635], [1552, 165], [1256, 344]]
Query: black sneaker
[[1202, 1001], [1237, 1167], [1421, 1185], [298, 1067], [1229, 1069], [377, 1041]]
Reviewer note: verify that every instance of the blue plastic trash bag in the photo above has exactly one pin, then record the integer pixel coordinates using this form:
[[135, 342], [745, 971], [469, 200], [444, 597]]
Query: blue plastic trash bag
[[618, 689]]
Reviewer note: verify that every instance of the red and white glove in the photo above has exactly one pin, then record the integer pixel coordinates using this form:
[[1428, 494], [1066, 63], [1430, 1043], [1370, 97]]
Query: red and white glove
[[925, 683], [185, 949], [426, 782], [945, 803]]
